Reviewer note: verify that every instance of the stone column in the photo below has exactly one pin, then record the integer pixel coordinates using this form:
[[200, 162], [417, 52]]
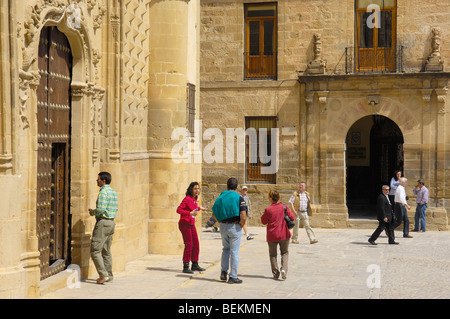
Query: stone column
[[169, 43]]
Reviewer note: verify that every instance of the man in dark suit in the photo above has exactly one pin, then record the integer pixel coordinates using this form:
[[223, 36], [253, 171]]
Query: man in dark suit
[[384, 216]]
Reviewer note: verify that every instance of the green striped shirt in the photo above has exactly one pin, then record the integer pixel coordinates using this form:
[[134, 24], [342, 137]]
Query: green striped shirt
[[107, 205]]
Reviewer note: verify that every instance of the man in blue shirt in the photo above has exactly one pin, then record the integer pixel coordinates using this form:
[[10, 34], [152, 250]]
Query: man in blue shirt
[[230, 210], [422, 202]]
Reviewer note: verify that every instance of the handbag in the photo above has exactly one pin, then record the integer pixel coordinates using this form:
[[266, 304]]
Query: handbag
[[290, 224]]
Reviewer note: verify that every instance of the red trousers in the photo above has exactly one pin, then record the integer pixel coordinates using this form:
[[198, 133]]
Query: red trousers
[[191, 243]]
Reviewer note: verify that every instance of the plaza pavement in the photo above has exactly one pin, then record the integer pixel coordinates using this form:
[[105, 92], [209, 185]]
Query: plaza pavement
[[341, 265]]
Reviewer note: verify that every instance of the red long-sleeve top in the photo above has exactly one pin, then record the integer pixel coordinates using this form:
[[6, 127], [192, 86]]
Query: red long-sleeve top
[[273, 217], [187, 205]]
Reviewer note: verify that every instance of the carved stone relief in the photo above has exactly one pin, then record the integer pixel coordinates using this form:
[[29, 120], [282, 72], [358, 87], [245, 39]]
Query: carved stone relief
[[71, 15], [435, 62]]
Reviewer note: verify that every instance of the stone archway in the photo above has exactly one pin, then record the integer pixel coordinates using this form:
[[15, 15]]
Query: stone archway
[[374, 152]]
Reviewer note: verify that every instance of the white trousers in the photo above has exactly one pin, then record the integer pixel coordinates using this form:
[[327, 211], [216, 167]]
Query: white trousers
[[304, 218]]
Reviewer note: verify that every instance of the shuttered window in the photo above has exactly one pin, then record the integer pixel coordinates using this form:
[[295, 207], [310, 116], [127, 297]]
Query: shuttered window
[[259, 149]]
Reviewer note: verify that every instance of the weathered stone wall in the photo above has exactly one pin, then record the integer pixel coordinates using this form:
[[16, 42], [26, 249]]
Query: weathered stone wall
[[222, 42], [130, 71], [321, 110], [274, 98]]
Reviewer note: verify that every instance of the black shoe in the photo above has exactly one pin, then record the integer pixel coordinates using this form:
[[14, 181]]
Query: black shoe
[[372, 242], [186, 269], [393, 243], [236, 280], [223, 276], [196, 267], [276, 275]]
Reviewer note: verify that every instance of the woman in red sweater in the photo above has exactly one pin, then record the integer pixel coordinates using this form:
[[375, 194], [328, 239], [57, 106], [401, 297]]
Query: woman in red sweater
[[188, 209], [278, 234]]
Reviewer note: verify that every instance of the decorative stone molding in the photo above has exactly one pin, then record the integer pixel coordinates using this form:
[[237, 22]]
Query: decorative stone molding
[[98, 18], [318, 65], [156, 1], [100, 98], [115, 23], [90, 4], [97, 97], [78, 89], [27, 81], [435, 62], [50, 12], [373, 99], [426, 99], [309, 103], [323, 98], [96, 119], [6, 163], [441, 99]]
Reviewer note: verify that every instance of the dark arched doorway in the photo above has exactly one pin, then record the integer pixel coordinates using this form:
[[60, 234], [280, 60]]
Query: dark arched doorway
[[374, 152]]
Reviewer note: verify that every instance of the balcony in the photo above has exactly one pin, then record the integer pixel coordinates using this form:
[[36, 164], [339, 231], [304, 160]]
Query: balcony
[[374, 60], [260, 66]]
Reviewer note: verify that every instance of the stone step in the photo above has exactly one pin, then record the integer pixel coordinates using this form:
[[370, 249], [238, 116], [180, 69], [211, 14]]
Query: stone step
[[362, 223]]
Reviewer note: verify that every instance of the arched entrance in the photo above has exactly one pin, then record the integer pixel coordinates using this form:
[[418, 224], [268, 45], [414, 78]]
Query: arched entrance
[[374, 151], [53, 164]]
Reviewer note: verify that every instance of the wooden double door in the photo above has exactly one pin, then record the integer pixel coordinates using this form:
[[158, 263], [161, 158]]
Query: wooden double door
[[53, 152]]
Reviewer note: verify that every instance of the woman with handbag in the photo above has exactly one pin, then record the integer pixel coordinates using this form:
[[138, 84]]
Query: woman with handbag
[[188, 209], [278, 233]]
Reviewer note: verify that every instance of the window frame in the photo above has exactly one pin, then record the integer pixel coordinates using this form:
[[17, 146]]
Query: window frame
[[253, 170], [190, 108], [262, 66], [375, 58]]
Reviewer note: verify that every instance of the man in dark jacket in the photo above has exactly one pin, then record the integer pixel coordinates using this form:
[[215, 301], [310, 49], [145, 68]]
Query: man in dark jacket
[[384, 216]]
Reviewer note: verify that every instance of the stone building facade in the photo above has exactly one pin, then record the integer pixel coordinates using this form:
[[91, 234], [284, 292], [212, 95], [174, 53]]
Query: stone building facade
[[357, 89], [89, 86]]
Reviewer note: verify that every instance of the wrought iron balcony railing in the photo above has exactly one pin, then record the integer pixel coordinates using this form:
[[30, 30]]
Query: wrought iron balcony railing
[[373, 60]]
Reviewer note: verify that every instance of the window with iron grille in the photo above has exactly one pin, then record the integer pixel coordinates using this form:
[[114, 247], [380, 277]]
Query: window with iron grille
[[261, 41], [259, 149], [190, 108]]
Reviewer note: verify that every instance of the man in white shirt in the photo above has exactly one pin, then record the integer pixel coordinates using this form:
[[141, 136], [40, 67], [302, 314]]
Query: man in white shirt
[[301, 206], [401, 205]]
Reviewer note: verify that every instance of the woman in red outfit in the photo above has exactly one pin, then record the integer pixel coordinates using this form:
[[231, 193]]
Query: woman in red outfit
[[188, 209], [278, 233]]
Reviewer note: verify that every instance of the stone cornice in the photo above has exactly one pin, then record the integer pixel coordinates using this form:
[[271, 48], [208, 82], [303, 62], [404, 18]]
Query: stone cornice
[[372, 76]]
